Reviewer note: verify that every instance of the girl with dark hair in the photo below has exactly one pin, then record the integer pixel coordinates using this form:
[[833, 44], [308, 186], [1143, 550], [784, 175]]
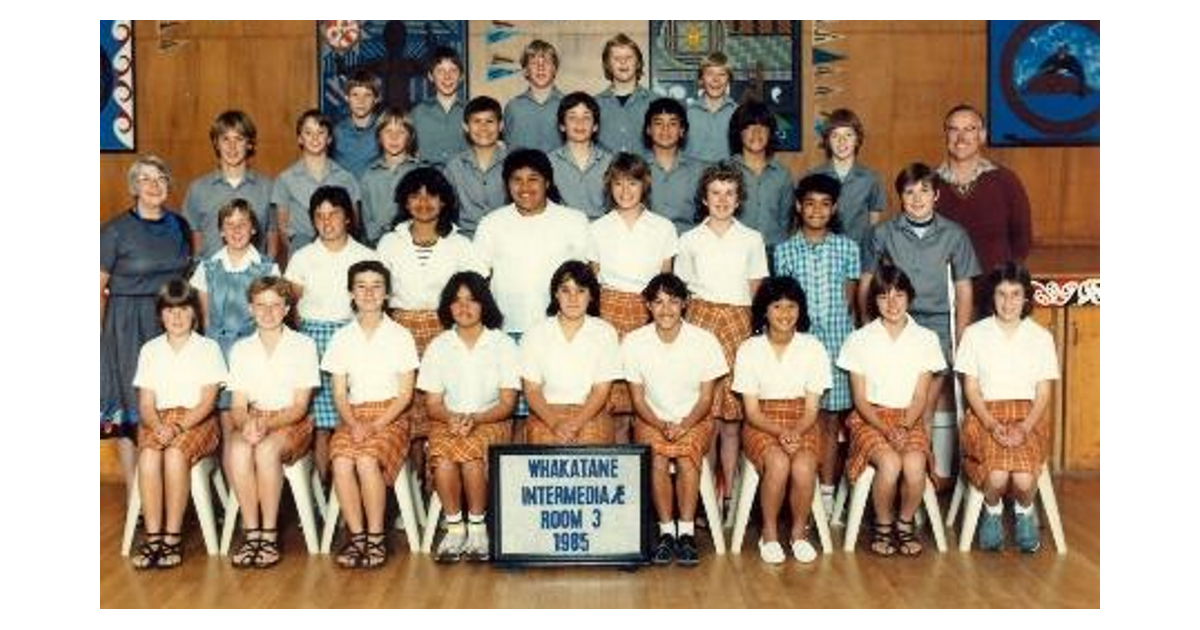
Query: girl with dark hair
[[781, 373], [178, 374], [891, 362], [372, 361], [568, 363], [470, 379], [1008, 362], [319, 272], [422, 252]]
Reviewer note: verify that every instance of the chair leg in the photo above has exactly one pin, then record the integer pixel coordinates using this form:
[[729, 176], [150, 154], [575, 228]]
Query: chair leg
[[970, 517], [299, 478], [839, 503], [418, 496], [431, 523], [332, 510], [133, 508], [232, 508], [822, 519], [1050, 507], [745, 503], [407, 510], [935, 516], [708, 494], [202, 474], [858, 504], [220, 486], [960, 487]]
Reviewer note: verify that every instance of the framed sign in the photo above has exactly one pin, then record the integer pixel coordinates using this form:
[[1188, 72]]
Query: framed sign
[[1043, 83], [554, 505]]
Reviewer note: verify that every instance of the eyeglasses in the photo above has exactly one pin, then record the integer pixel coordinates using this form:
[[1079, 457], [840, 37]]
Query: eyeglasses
[[146, 180]]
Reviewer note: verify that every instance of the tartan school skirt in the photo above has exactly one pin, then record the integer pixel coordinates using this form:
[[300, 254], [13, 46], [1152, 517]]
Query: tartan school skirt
[[756, 444], [460, 449], [626, 312], [731, 325], [982, 454], [424, 326], [599, 430], [691, 446], [864, 440], [324, 413], [195, 443], [387, 445], [297, 436]]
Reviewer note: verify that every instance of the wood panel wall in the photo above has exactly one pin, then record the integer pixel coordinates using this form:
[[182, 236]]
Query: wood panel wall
[[900, 77]]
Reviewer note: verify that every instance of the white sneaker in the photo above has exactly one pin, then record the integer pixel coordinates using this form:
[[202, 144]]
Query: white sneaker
[[771, 552], [451, 547], [476, 549], [804, 551]]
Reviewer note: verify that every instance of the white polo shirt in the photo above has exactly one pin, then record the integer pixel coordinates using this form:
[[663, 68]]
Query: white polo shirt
[[374, 365], [419, 274], [199, 278], [720, 268], [176, 378], [672, 373], [322, 273], [565, 369], [270, 380], [630, 257], [803, 368], [1008, 367], [891, 367], [470, 378], [522, 254]]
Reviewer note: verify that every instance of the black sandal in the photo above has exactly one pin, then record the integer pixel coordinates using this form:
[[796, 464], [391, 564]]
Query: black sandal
[[375, 552], [148, 553], [881, 540], [268, 554], [906, 538], [246, 555], [170, 554], [352, 555]]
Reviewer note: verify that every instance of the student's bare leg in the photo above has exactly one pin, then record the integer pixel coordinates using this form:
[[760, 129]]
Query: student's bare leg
[[831, 462], [321, 453], [996, 486], [731, 448], [474, 476], [1024, 487], [150, 486], [374, 492], [913, 484], [803, 471], [776, 468], [177, 482], [345, 483], [449, 484], [239, 465], [687, 488], [883, 490], [621, 424], [268, 466], [127, 456], [660, 482]]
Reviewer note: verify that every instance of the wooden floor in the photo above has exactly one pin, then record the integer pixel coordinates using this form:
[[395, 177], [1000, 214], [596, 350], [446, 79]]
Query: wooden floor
[[950, 580]]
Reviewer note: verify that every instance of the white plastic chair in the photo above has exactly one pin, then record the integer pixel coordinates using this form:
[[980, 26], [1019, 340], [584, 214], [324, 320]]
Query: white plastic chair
[[1045, 496], [403, 488], [203, 473], [299, 478], [745, 503], [858, 503]]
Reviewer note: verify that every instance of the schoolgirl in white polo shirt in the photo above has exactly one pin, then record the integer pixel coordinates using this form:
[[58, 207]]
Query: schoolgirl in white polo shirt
[[373, 361], [568, 362], [470, 378], [1008, 362], [178, 375], [722, 261], [891, 362]]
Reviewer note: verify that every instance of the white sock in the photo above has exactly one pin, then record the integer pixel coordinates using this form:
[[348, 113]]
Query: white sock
[[667, 527], [454, 523], [1023, 510], [994, 510], [687, 528], [475, 522]]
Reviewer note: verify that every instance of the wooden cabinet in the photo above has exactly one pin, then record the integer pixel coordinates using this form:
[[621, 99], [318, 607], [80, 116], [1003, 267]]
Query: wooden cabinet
[[1081, 372]]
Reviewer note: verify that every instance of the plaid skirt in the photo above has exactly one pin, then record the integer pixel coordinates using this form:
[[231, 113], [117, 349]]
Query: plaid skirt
[[864, 440], [626, 312], [195, 443], [599, 430], [731, 325], [458, 449], [692, 445], [297, 436], [324, 414], [387, 445], [783, 413], [982, 454], [424, 326]]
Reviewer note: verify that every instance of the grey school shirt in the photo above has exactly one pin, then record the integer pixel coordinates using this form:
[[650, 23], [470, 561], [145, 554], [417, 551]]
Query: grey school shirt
[[479, 191], [294, 189], [581, 188], [529, 124], [768, 207], [673, 192], [621, 124], [207, 193], [923, 258], [439, 131]]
